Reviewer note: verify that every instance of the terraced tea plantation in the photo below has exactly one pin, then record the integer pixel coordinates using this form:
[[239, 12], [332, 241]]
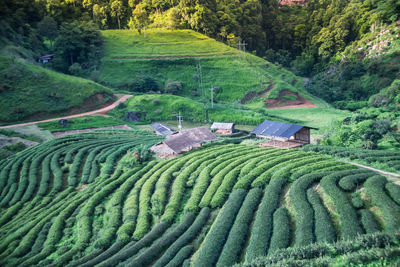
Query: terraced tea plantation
[[80, 201]]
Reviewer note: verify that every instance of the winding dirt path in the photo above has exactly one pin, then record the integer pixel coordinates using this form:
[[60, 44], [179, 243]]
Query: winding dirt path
[[375, 170], [94, 112]]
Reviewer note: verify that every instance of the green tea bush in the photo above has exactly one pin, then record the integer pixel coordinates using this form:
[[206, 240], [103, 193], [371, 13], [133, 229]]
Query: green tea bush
[[356, 200], [323, 227], [261, 180], [281, 230], [148, 256], [369, 222], [350, 226], [134, 247], [181, 256], [95, 258], [261, 231], [184, 240], [303, 256], [304, 212], [394, 191], [240, 231], [216, 237], [246, 179], [143, 220], [350, 183], [375, 189]]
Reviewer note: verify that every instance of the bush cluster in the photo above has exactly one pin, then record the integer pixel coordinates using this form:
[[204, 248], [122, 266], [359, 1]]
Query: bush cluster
[[238, 235], [261, 231], [323, 227], [350, 227], [216, 237], [375, 189]]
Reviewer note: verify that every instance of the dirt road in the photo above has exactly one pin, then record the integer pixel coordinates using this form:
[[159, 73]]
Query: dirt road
[[375, 170], [102, 110]]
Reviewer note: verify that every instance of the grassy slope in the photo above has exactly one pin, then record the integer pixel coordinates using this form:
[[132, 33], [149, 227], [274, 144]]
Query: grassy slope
[[175, 55], [27, 90]]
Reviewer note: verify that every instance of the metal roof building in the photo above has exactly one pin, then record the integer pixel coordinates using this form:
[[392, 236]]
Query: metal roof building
[[162, 129], [293, 134]]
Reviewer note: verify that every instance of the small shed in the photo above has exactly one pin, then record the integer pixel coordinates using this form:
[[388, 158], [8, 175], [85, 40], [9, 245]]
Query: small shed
[[162, 129], [183, 141], [46, 58], [283, 135], [223, 128]]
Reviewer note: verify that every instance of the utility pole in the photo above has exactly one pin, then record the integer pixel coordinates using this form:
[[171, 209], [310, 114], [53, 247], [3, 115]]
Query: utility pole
[[200, 79], [179, 122], [212, 96], [242, 47], [244, 51]]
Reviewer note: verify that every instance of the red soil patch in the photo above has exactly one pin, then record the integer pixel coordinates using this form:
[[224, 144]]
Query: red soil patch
[[282, 103]]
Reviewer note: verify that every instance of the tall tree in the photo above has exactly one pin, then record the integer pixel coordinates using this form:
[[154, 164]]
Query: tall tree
[[48, 28], [139, 18], [117, 10]]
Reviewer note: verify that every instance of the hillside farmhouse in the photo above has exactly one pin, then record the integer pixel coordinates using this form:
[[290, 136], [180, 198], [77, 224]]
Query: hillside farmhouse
[[223, 128], [183, 141], [282, 135], [162, 129], [46, 58]]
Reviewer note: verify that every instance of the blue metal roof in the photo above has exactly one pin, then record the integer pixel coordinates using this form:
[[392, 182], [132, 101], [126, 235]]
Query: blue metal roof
[[163, 129], [276, 128]]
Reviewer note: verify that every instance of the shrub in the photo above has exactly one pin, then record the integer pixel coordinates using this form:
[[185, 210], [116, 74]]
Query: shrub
[[148, 256], [368, 222], [181, 256], [350, 183], [350, 226], [240, 230], [304, 211], [173, 251], [375, 189], [281, 230], [216, 237], [262, 228], [323, 227], [356, 200], [173, 87], [134, 247], [394, 191], [143, 223]]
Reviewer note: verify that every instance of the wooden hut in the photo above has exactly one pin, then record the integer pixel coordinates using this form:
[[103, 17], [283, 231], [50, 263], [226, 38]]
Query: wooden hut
[[223, 128], [46, 58], [283, 135], [183, 141]]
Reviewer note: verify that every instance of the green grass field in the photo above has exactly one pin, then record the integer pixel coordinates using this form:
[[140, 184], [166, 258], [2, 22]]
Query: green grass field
[[29, 91], [176, 55], [85, 122]]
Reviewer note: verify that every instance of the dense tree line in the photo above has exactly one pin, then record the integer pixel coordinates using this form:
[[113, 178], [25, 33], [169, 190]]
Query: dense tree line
[[308, 39]]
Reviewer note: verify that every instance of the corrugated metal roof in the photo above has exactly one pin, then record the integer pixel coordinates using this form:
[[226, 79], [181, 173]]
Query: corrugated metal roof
[[184, 139], [222, 125], [163, 129], [278, 129]]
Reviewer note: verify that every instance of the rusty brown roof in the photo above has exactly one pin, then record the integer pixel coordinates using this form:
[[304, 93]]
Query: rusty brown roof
[[185, 139]]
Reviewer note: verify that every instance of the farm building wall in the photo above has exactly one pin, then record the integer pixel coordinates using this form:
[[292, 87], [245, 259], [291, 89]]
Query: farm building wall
[[224, 132], [303, 135]]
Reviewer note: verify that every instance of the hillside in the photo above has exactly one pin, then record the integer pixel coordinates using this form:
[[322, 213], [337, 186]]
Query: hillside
[[96, 199], [177, 55], [28, 91], [194, 63]]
